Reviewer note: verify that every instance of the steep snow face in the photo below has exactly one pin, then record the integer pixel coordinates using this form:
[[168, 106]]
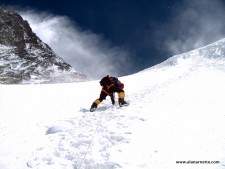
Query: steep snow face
[[210, 55], [176, 115], [25, 58]]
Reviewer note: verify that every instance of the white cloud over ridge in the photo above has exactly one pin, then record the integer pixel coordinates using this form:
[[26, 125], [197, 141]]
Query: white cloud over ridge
[[194, 23], [83, 50]]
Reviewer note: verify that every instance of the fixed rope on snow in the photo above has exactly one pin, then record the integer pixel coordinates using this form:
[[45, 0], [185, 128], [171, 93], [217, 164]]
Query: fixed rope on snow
[[91, 141]]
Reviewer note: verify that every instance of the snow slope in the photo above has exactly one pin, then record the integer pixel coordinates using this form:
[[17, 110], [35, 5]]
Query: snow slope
[[176, 113]]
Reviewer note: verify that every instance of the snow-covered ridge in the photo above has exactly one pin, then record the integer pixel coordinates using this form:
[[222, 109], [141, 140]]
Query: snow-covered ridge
[[25, 58], [210, 55]]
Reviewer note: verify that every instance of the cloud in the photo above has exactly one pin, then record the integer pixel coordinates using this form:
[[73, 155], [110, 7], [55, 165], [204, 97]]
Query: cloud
[[82, 49], [194, 23]]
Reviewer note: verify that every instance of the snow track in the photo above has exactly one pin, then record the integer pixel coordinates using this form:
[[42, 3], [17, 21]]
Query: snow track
[[96, 135]]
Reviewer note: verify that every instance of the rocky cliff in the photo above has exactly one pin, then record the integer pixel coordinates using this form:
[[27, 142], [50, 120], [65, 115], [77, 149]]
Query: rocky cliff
[[24, 58]]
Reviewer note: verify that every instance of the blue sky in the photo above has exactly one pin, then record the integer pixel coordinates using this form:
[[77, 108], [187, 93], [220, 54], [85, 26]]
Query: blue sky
[[148, 32]]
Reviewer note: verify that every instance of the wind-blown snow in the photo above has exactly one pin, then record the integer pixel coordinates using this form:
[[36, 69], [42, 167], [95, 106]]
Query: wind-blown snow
[[176, 113]]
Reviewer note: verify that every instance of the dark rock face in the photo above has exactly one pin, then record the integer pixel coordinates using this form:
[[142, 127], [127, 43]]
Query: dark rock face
[[24, 58]]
